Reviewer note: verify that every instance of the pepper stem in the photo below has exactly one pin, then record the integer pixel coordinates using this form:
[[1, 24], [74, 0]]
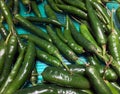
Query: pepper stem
[[8, 37], [104, 58], [104, 49], [107, 65]]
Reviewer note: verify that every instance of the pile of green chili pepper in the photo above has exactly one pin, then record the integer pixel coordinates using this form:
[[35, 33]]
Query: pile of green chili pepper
[[98, 40]]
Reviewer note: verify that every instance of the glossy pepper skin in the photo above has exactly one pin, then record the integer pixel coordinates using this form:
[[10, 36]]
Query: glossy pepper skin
[[51, 14], [87, 34], [74, 3], [43, 44], [73, 10], [102, 11], [44, 20], [49, 89], [47, 58], [77, 69], [98, 31], [6, 14], [3, 31], [25, 70], [13, 72], [71, 42], [116, 67], [64, 49], [53, 5], [116, 85], [112, 88], [109, 74], [3, 53], [11, 51], [96, 81], [81, 40], [33, 29], [11, 27], [114, 45], [64, 78]]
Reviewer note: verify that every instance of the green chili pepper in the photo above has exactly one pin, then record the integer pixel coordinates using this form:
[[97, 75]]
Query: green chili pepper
[[87, 34], [99, 1], [116, 85], [77, 3], [63, 78], [9, 21], [3, 31], [86, 23], [49, 89], [51, 14], [64, 49], [98, 31], [71, 42], [11, 51], [96, 81], [44, 20], [48, 59], [116, 30], [69, 54], [13, 73], [43, 44], [113, 45], [116, 67], [101, 18], [113, 89], [107, 28], [25, 70], [35, 8], [31, 27], [59, 2], [108, 74], [6, 14], [105, 18], [102, 10], [77, 69], [73, 10], [81, 40], [53, 5], [84, 42], [3, 51], [88, 91]]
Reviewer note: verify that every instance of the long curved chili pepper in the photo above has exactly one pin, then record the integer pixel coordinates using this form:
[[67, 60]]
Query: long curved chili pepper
[[13, 72], [25, 70]]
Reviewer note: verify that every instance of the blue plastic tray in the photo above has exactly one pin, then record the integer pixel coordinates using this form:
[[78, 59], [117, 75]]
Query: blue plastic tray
[[41, 65]]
